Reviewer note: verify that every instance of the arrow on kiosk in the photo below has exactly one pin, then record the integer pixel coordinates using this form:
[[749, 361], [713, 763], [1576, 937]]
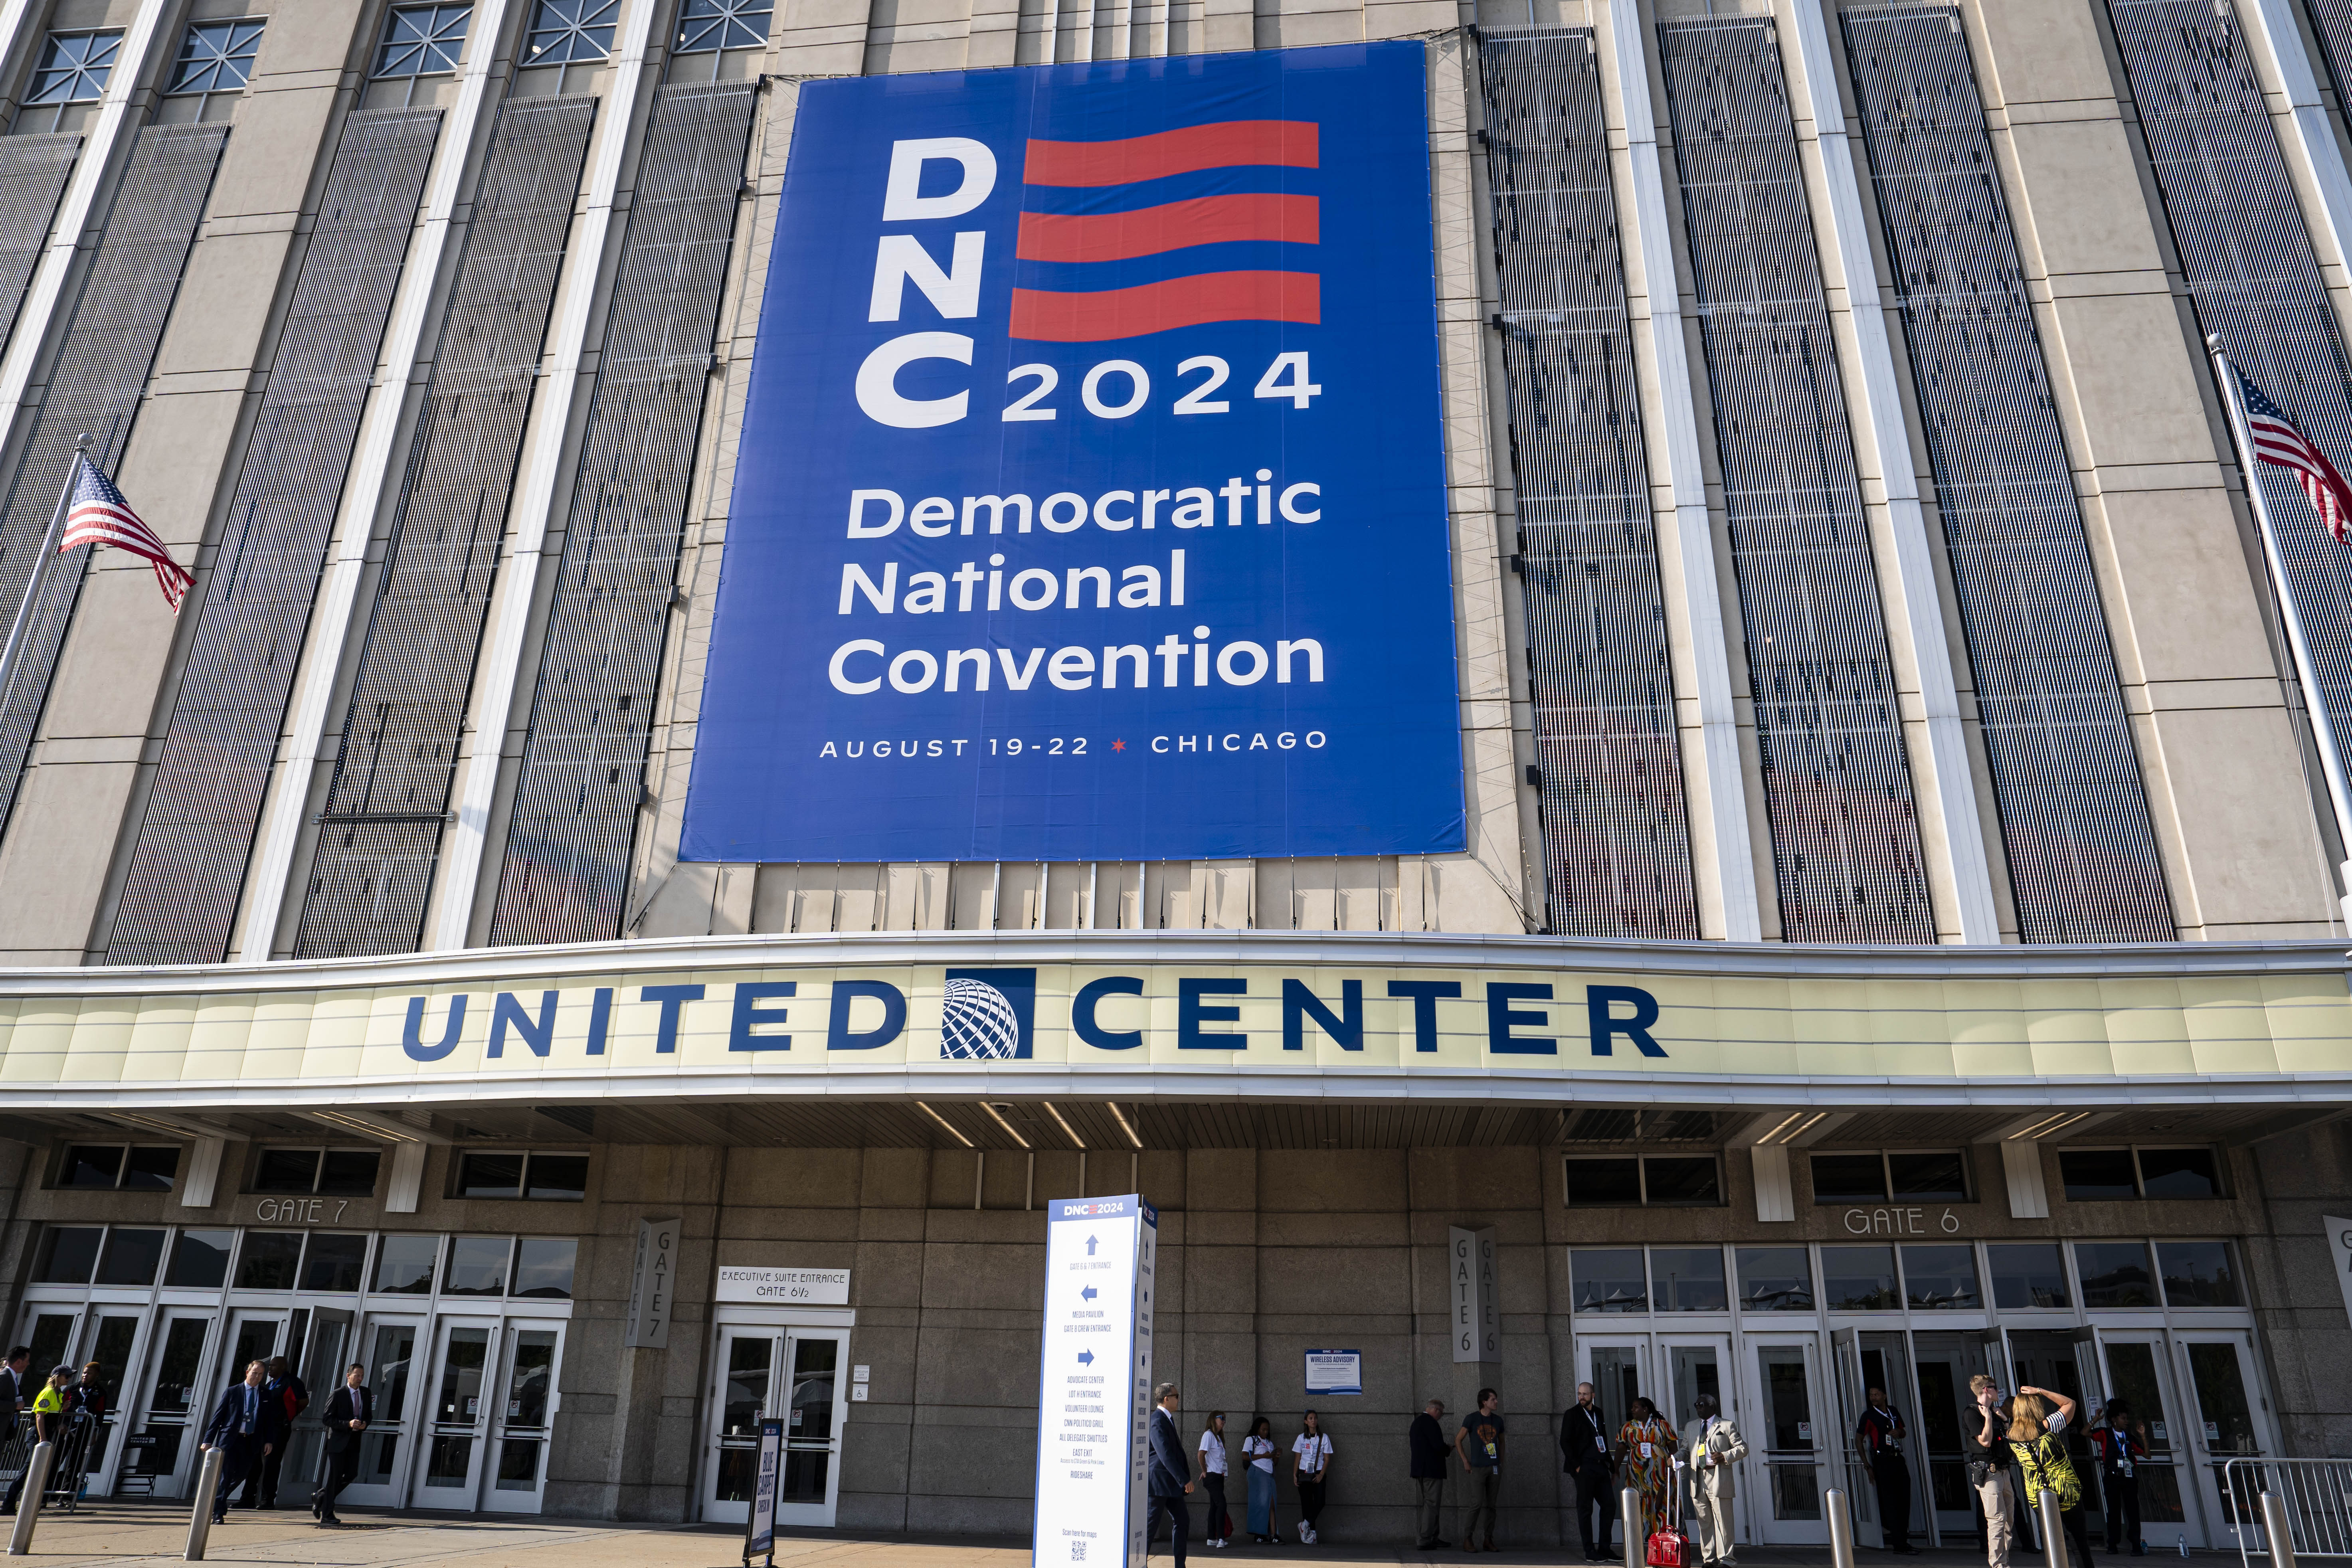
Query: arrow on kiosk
[[1090, 1246], [1086, 1358], [1088, 1294]]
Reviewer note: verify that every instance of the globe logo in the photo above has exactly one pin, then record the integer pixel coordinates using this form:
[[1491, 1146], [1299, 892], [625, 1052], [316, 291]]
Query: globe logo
[[978, 1023]]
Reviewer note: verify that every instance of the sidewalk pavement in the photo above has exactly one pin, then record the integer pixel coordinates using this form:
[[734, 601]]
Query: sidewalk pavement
[[148, 1535]]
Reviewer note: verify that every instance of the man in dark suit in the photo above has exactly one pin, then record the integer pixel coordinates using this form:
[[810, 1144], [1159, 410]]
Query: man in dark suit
[[1169, 1472], [348, 1409], [261, 1491], [1584, 1455], [247, 1426], [16, 1394]]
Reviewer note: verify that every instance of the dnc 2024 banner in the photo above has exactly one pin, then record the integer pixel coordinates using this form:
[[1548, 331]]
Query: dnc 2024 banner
[[1091, 496]]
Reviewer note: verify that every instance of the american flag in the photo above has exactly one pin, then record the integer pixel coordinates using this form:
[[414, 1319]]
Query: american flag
[[99, 515], [2277, 441]]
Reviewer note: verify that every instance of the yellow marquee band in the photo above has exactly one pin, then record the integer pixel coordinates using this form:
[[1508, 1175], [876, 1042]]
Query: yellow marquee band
[[1335, 1016]]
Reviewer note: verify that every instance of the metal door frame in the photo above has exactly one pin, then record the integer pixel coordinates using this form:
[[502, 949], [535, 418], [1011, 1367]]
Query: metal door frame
[[708, 1509], [514, 1329], [200, 1394], [465, 1497], [389, 1493], [814, 1516], [1811, 1342]]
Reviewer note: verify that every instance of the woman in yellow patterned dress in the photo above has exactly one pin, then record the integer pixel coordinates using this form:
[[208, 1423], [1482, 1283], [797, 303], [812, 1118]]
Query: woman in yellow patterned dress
[[1645, 1461]]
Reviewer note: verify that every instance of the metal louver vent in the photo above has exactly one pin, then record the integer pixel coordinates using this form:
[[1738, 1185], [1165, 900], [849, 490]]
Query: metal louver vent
[[2083, 859], [566, 870], [1616, 839], [179, 900], [1837, 782], [382, 826], [33, 171]]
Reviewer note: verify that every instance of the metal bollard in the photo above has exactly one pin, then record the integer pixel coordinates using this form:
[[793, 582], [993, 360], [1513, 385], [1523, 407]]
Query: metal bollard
[[200, 1523], [2053, 1530], [1841, 1529], [28, 1501], [2280, 1529], [1629, 1514]]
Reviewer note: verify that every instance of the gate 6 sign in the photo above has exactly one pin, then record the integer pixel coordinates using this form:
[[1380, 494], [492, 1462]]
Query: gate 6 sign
[[1091, 496]]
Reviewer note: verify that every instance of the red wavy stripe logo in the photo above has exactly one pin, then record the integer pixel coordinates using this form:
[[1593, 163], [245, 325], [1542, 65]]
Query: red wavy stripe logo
[[1230, 143], [1098, 317], [1150, 231]]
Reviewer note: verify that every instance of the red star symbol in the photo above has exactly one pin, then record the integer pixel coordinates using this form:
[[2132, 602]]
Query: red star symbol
[[1118, 746]]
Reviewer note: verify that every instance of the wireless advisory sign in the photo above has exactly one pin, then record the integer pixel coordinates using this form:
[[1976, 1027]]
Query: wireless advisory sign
[[1091, 498]]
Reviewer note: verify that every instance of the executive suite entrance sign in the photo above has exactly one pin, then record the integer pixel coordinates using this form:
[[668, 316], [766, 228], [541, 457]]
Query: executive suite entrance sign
[[1214, 1013]]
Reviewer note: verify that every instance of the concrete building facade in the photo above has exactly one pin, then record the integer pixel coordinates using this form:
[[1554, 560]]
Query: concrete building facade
[[1874, 697]]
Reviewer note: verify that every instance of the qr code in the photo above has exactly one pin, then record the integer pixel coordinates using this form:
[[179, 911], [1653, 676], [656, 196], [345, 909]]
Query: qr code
[[1077, 1552]]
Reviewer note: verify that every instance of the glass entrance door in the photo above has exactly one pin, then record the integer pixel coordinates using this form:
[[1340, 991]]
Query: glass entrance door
[[747, 1361], [320, 1368], [173, 1404], [455, 1420], [112, 1341], [2137, 1374], [1697, 1364], [1793, 1442], [388, 1348], [1941, 1365], [1618, 1369], [518, 1421], [2231, 1424], [815, 1401]]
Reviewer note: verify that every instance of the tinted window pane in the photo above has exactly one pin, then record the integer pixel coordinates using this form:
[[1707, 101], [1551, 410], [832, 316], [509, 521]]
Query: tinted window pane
[[286, 1170], [1941, 1279], [1859, 1280], [1849, 1179], [2196, 1274], [543, 1265], [1608, 1280], [2027, 1274], [2115, 1274], [151, 1169], [349, 1173], [1682, 1182], [1605, 1183], [200, 1259], [1775, 1279], [2097, 1174], [268, 1260], [489, 1176], [92, 1165], [2179, 1173], [334, 1263], [69, 1252], [561, 1177], [404, 1264], [478, 1266], [1689, 1278], [132, 1256], [1929, 1178]]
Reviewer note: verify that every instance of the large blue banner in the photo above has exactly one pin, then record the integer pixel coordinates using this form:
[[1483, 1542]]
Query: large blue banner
[[1091, 497]]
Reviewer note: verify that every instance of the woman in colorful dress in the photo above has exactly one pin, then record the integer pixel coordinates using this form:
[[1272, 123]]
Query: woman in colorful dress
[[1645, 1461]]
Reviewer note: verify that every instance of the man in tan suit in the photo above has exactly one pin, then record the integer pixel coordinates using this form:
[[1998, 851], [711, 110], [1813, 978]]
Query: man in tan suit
[[1712, 1447]]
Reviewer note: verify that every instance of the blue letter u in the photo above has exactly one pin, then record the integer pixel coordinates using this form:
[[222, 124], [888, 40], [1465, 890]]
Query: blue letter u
[[411, 1038]]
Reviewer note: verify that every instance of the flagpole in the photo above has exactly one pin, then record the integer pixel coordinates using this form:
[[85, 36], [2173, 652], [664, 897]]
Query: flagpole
[[2331, 761], [33, 581]]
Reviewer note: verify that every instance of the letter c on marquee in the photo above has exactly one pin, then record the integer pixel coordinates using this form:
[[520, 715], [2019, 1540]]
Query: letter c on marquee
[[841, 681], [877, 379]]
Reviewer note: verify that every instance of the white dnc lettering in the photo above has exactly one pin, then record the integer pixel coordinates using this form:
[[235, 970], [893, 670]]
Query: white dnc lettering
[[953, 291]]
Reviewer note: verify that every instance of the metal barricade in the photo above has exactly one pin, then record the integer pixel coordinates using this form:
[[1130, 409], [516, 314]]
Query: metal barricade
[[2314, 1494]]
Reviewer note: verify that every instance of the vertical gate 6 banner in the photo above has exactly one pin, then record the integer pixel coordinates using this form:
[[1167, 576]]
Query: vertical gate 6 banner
[[1091, 497]]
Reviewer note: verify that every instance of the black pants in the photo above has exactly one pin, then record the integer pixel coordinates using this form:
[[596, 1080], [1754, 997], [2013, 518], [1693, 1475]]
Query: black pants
[[1221, 1520], [261, 1485], [240, 1461], [1894, 1478], [1596, 1507], [1178, 1517], [1311, 1499], [342, 1469], [2123, 1509], [2078, 1540]]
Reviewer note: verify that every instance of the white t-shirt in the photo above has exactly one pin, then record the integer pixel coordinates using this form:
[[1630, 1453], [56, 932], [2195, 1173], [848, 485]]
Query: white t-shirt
[[1212, 1453], [1313, 1453], [1259, 1452]]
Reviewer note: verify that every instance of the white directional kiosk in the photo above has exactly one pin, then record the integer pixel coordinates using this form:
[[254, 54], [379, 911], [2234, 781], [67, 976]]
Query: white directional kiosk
[[1094, 1387]]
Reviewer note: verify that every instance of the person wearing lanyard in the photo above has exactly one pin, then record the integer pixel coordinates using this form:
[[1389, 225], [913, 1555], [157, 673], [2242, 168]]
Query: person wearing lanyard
[[245, 1425], [1881, 1433], [1716, 1445], [1168, 1476], [1645, 1448], [1584, 1454], [1480, 1444], [2119, 1452], [1211, 1458], [1310, 1466], [1990, 1469], [1257, 1451]]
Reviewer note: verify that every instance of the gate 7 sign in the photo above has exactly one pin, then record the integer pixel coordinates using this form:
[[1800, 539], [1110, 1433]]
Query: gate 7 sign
[[1091, 502]]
